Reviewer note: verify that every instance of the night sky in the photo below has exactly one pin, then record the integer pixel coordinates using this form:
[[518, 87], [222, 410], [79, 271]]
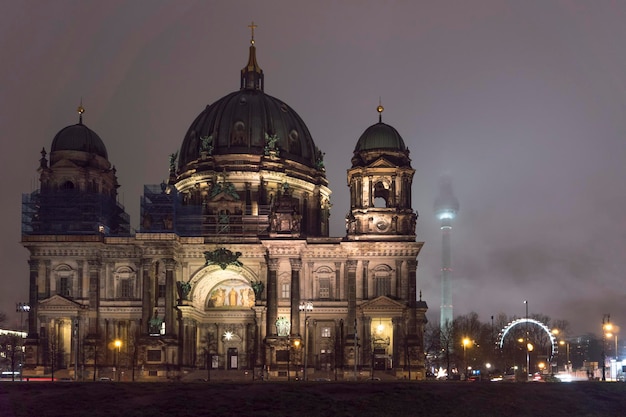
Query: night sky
[[521, 103]]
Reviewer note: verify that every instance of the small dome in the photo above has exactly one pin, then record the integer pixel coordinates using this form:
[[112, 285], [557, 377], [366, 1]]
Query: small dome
[[79, 137], [380, 136]]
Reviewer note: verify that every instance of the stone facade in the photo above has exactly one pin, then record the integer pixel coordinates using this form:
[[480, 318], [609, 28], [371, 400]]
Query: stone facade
[[232, 267]]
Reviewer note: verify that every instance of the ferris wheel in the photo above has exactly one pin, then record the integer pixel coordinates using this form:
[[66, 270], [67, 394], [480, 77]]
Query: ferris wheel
[[554, 347]]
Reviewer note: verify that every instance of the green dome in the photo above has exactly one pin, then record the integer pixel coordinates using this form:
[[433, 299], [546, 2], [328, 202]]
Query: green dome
[[380, 136]]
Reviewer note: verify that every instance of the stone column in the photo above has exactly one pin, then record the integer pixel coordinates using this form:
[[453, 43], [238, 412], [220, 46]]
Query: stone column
[[392, 195], [32, 298], [397, 339], [307, 291], [412, 296], [170, 325], [365, 280], [351, 292], [368, 342], [296, 266], [272, 297], [46, 278], [337, 295], [94, 296], [147, 306], [258, 337], [398, 290], [80, 279]]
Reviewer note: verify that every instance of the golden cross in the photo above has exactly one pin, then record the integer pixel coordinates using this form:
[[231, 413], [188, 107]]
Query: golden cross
[[252, 26]]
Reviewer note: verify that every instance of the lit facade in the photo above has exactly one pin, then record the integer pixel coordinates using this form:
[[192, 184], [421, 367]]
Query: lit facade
[[227, 252]]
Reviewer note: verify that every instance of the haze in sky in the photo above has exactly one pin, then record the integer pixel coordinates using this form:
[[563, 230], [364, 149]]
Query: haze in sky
[[521, 103]]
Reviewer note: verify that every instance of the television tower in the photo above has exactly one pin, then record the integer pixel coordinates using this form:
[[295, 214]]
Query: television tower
[[446, 208]]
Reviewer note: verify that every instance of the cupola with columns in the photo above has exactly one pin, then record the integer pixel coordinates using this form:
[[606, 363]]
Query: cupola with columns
[[380, 182]]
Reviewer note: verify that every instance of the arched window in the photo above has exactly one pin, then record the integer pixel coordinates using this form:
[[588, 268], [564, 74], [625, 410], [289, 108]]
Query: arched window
[[238, 135], [324, 280], [294, 142], [64, 275], [285, 289], [382, 281], [381, 195], [125, 282], [67, 185]]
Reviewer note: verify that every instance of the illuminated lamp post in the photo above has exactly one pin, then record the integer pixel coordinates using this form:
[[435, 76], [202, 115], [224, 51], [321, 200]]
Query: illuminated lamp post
[[307, 307], [566, 343], [23, 308], [466, 343], [288, 358], [296, 345], [529, 348], [606, 327], [118, 344]]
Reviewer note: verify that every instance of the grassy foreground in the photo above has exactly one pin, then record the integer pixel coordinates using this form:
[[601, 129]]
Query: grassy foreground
[[393, 399]]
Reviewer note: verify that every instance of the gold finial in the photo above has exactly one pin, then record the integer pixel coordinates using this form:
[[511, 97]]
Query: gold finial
[[380, 109], [252, 26], [80, 111]]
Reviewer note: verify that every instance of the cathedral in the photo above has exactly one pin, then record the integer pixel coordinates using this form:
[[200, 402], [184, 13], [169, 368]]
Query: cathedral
[[232, 267]]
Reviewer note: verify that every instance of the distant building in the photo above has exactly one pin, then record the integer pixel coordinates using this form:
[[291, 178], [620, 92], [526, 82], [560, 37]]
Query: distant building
[[232, 265], [446, 208]]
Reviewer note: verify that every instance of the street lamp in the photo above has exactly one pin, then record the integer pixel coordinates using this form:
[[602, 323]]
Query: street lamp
[[529, 348], [23, 308], [606, 327], [307, 307], [118, 344], [566, 343], [466, 343]]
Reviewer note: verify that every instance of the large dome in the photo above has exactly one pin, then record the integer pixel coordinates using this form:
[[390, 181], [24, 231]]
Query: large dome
[[241, 123], [79, 137], [249, 122]]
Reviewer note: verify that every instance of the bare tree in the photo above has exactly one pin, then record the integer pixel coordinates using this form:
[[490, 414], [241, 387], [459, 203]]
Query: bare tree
[[11, 351]]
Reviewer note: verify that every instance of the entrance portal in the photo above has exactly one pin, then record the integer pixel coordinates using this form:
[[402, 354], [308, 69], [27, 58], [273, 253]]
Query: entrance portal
[[232, 358]]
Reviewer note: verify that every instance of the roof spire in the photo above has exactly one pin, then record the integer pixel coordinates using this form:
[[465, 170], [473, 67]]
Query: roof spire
[[80, 111], [252, 26], [252, 74], [380, 109]]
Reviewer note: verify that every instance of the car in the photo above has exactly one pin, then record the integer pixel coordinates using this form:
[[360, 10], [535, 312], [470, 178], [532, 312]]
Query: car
[[104, 379]]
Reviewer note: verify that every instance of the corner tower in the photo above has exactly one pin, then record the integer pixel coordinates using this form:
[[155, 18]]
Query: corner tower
[[380, 187], [78, 188]]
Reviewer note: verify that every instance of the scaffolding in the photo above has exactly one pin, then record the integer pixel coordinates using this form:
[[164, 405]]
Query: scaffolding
[[72, 212], [164, 211]]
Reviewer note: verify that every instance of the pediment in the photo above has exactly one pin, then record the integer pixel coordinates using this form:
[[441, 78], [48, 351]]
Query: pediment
[[64, 163], [224, 197], [58, 302], [382, 303], [382, 162]]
